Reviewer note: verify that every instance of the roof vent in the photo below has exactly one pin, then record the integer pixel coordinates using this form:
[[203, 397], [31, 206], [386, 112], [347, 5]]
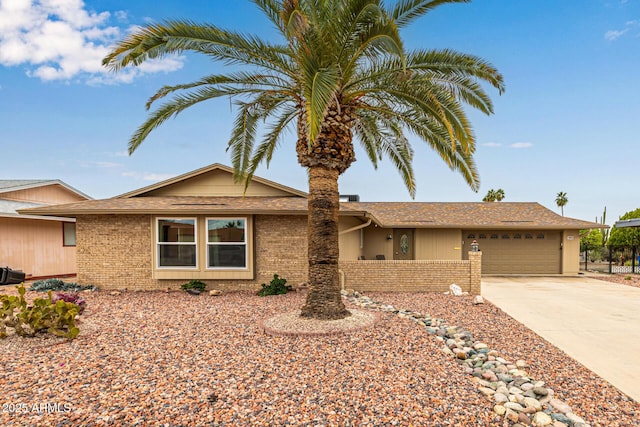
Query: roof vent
[[349, 198]]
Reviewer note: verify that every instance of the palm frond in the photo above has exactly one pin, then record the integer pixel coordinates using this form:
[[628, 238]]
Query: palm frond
[[406, 11]]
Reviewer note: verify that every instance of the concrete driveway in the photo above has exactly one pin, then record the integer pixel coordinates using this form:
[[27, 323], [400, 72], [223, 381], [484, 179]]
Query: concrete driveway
[[595, 322]]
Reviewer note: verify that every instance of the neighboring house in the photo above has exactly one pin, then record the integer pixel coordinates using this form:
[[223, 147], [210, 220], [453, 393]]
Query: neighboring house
[[202, 225], [41, 246]]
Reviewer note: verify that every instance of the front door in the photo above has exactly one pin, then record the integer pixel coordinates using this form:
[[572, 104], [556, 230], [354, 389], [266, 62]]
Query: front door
[[403, 244]]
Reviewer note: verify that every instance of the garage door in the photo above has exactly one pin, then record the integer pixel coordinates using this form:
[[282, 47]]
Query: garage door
[[517, 252]]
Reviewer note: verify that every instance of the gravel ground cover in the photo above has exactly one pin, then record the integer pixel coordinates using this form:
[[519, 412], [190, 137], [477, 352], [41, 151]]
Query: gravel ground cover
[[621, 279], [172, 359]]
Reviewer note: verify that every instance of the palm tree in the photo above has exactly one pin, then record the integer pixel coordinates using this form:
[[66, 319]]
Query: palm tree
[[494, 195], [490, 197], [561, 201], [341, 73]]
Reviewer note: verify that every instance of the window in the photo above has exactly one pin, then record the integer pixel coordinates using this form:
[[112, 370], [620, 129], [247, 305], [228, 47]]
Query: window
[[482, 236], [471, 236], [540, 236], [506, 236], [226, 243], [494, 236], [176, 242], [68, 234], [517, 236]]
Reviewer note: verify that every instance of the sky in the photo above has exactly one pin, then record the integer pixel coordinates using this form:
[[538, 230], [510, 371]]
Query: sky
[[567, 121]]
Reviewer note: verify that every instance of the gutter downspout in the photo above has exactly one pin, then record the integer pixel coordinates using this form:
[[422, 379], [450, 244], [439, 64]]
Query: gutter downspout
[[349, 230], [357, 227]]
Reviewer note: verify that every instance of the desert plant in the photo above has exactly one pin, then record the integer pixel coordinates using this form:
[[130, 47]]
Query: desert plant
[[59, 285], [194, 284], [43, 315], [72, 297], [278, 286]]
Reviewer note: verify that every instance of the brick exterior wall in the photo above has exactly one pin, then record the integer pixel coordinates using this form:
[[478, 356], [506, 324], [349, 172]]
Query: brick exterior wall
[[115, 252], [413, 276]]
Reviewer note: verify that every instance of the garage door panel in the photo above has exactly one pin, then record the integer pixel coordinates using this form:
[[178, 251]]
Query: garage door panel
[[508, 254]]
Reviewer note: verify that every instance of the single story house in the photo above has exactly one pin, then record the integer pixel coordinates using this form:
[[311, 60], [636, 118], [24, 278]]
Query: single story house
[[39, 245], [202, 225]]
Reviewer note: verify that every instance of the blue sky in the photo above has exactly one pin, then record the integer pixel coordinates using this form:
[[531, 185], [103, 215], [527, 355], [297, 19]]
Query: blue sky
[[567, 121]]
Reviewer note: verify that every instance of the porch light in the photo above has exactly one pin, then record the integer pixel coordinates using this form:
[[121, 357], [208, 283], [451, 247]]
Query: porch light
[[475, 247], [389, 237]]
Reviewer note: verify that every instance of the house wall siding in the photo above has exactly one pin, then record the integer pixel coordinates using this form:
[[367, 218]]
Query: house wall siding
[[35, 246], [115, 252]]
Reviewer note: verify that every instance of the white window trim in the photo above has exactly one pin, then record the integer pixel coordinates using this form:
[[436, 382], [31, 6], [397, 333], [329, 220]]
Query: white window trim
[[194, 243], [208, 243]]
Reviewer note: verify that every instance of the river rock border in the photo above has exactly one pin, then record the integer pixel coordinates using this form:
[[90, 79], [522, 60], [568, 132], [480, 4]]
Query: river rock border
[[516, 396]]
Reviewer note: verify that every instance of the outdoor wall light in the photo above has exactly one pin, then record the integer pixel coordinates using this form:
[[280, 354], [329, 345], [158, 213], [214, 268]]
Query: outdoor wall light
[[475, 247], [389, 237]]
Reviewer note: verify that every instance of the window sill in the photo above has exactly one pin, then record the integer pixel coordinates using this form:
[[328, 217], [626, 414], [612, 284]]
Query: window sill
[[209, 274]]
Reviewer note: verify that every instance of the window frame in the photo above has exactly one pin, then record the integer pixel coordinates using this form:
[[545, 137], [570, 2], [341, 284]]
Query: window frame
[[208, 243], [64, 235], [158, 243], [201, 271]]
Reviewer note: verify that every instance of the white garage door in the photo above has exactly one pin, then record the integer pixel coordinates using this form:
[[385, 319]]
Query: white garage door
[[517, 252]]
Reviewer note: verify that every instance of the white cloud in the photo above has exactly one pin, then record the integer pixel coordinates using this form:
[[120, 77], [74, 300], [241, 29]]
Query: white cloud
[[62, 40], [521, 145], [147, 176], [611, 35]]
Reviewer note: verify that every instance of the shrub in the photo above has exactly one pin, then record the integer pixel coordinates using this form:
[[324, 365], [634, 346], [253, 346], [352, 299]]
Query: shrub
[[194, 284], [59, 285], [627, 278], [276, 287], [43, 315], [72, 297]]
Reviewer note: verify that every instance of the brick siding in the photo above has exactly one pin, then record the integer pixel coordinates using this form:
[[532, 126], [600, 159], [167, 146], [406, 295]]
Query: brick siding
[[115, 252], [413, 276]]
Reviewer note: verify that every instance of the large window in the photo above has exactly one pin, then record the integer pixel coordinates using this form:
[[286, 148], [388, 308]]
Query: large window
[[226, 243], [176, 242]]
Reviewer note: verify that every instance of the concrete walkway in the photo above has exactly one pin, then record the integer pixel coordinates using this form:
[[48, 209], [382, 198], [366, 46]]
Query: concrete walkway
[[595, 322]]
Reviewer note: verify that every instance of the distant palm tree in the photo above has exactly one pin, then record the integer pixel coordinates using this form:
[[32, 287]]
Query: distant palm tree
[[341, 73], [494, 195], [561, 201]]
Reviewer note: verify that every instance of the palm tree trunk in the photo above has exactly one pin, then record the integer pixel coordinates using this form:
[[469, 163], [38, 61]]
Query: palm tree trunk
[[324, 300]]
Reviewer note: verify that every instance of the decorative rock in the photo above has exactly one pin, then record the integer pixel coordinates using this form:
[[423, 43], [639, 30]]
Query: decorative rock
[[560, 406], [455, 289], [529, 401], [487, 391], [499, 409], [115, 293], [193, 291], [479, 346], [541, 419], [574, 418], [461, 355], [521, 364], [540, 391], [524, 419], [500, 398], [215, 292], [511, 415], [478, 300], [514, 406]]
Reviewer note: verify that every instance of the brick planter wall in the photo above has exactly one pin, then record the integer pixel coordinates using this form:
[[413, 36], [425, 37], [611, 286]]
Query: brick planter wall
[[413, 276]]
